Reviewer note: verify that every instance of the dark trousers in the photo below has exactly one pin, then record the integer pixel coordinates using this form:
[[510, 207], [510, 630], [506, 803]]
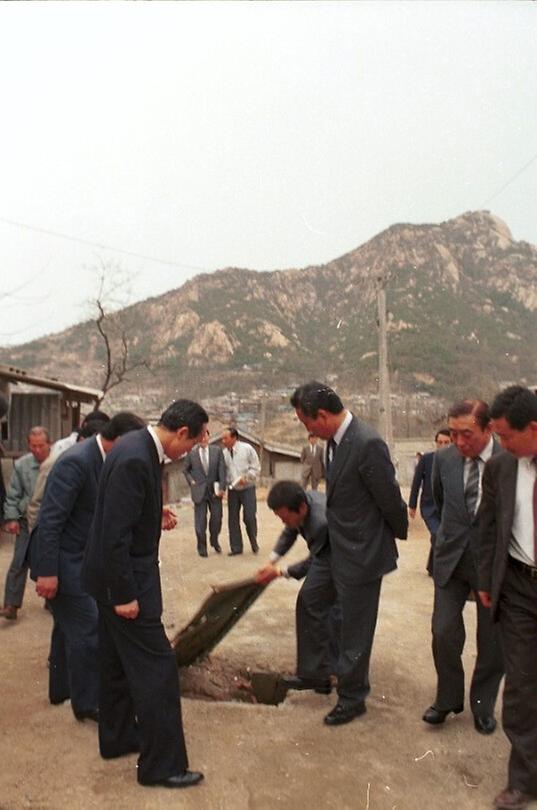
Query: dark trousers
[[246, 499], [518, 626], [449, 636], [213, 505], [139, 700], [359, 607], [316, 667], [74, 662], [18, 570]]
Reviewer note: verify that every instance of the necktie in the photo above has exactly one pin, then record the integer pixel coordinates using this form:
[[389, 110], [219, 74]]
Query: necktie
[[471, 490], [330, 453], [535, 513]]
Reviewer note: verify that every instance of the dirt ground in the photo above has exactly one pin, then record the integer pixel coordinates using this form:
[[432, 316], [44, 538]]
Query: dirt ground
[[257, 757]]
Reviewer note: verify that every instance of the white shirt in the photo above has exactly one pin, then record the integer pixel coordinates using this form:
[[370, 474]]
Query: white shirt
[[158, 444], [482, 458], [340, 432], [244, 464], [100, 445], [521, 546]]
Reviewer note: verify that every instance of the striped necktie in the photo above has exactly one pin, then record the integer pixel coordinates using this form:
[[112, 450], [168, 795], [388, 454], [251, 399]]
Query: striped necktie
[[471, 490]]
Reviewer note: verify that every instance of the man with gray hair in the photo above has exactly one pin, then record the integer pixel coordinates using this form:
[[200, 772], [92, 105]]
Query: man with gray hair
[[19, 493]]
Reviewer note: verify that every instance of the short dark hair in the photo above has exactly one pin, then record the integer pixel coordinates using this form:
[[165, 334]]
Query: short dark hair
[[313, 396], [232, 432], [95, 416], [286, 494], [517, 404], [184, 413], [121, 423], [442, 432], [477, 408], [90, 428]]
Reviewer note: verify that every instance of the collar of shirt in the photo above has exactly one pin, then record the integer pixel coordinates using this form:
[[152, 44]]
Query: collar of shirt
[[485, 454], [100, 445], [340, 432], [158, 444]]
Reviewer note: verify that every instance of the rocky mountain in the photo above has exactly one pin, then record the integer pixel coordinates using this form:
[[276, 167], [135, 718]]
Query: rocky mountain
[[462, 319]]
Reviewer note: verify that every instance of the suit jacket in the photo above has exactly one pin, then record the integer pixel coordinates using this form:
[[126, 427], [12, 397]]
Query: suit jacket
[[65, 515], [365, 510], [121, 559], [422, 480], [312, 460], [458, 529], [202, 483], [496, 513], [314, 530]]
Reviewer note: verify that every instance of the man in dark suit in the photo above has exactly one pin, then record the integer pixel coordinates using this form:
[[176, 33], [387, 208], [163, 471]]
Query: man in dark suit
[[304, 513], [365, 512], [57, 551], [422, 480], [139, 698], [311, 459], [507, 561], [205, 471], [456, 481]]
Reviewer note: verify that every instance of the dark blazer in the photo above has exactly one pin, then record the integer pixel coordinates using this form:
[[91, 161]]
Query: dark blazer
[[121, 559], [458, 530], [204, 481], [314, 530], [65, 515], [496, 513], [365, 510]]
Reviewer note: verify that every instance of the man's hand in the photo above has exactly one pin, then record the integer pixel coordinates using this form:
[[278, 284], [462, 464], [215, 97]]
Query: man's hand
[[128, 611], [412, 513], [267, 574], [486, 601], [46, 587], [12, 527], [169, 518]]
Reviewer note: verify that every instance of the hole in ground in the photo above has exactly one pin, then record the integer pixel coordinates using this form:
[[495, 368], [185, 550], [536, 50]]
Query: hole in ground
[[215, 679]]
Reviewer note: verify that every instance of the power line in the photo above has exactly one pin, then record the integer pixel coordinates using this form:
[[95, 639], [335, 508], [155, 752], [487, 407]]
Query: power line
[[88, 242], [508, 182]]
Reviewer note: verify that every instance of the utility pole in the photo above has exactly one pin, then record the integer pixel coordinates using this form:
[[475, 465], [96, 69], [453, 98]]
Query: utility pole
[[385, 403]]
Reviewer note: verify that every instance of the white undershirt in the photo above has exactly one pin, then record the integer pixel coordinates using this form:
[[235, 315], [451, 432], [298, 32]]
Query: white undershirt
[[521, 545]]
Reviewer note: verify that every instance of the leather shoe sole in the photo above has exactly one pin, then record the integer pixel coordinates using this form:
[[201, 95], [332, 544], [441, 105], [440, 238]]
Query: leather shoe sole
[[180, 780], [320, 686], [436, 716], [485, 724], [344, 714], [234, 553]]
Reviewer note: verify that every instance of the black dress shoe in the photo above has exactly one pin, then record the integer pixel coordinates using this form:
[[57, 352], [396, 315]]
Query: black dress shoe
[[218, 548], [203, 553], [344, 714], [180, 780], [322, 687], [436, 716], [255, 548], [88, 714], [484, 723], [233, 553]]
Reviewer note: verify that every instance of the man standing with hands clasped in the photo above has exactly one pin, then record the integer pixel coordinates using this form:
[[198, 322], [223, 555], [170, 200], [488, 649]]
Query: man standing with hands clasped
[[456, 482], [242, 469], [205, 472], [139, 700], [508, 580]]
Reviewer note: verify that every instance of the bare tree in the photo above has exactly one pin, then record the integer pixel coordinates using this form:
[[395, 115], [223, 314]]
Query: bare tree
[[113, 327]]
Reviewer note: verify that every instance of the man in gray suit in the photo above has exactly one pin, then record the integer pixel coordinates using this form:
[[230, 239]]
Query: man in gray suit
[[507, 562], [304, 513], [205, 471], [311, 459], [365, 513], [456, 484]]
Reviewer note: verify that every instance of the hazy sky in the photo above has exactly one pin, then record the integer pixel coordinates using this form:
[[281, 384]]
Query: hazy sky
[[265, 135]]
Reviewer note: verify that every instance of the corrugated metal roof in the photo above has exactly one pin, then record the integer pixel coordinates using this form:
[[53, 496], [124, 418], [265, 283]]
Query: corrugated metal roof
[[79, 392]]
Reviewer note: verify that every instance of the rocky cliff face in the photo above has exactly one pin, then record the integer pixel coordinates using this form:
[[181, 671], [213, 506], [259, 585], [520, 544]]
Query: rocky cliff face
[[462, 301]]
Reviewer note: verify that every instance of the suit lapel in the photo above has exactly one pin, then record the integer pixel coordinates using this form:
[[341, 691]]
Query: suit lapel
[[508, 476], [338, 462]]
